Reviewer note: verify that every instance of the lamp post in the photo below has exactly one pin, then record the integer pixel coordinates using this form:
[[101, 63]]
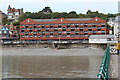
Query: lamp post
[[117, 37], [118, 43]]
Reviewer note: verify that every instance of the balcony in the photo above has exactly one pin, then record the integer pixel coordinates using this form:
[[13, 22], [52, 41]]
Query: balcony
[[98, 25], [90, 33], [43, 30], [39, 26], [59, 29], [51, 30], [85, 37], [64, 33], [31, 27], [22, 26], [85, 29], [34, 30], [26, 30], [103, 29], [72, 28], [94, 32], [89, 25], [47, 33], [55, 26], [22, 34], [64, 26], [72, 33], [94, 29], [81, 25], [77, 30], [98, 33], [47, 26], [55, 33], [39, 34], [30, 34], [68, 29], [27, 33], [81, 33]]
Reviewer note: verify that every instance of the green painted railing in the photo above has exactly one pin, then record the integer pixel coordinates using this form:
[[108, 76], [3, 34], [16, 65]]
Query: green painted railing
[[104, 68]]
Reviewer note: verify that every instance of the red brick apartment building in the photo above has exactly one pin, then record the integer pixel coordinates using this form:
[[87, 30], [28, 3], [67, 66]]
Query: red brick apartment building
[[62, 29]]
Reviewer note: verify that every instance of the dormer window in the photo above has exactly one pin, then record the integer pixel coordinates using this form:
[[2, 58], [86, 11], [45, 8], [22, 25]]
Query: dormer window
[[96, 19], [28, 21]]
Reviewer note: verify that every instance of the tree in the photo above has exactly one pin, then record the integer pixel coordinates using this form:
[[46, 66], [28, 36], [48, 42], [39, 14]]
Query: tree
[[17, 23], [46, 10], [89, 11], [72, 12]]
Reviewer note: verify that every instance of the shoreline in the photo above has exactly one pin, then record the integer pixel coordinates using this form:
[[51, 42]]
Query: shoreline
[[79, 51]]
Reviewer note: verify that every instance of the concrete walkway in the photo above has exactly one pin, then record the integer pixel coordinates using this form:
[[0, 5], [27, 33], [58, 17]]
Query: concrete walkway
[[115, 66], [119, 66]]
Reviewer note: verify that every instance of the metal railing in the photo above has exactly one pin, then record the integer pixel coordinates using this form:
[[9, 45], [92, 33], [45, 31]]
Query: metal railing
[[104, 68]]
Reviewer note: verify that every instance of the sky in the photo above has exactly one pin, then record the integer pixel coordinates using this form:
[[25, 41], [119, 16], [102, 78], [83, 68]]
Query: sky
[[80, 6]]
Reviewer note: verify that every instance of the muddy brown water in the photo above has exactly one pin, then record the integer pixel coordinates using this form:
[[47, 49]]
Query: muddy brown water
[[50, 66]]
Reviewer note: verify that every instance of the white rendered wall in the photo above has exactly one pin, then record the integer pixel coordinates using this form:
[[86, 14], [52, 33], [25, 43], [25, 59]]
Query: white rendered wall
[[97, 40]]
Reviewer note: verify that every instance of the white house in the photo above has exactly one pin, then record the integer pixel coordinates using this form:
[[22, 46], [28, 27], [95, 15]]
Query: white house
[[111, 21], [117, 27], [100, 39]]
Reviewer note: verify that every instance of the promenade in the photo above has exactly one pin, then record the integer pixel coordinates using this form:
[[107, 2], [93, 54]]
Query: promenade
[[115, 66], [119, 66]]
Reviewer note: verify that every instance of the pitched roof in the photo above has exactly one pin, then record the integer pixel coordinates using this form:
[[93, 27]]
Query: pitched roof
[[69, 19], [64, 20]]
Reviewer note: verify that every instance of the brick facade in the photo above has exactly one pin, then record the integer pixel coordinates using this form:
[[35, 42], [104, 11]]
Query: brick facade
[[61, 29]]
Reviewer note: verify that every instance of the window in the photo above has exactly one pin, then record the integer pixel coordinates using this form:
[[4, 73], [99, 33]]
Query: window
[[39, 32], [64, 32], [5, 31], [26, 32], [39, 36], [43, 35], [30, 36], [55, 35], [63, 35], [68, 35], [35, 35], [72, 35], [39, 29], [47, 36], [77, 31], [68, 32], [35, 32], [81, 35], [31, 32], [47, 28], [22, 36], [22, 29]]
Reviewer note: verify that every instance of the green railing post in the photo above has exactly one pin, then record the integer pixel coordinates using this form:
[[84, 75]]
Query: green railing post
[[104, 68]]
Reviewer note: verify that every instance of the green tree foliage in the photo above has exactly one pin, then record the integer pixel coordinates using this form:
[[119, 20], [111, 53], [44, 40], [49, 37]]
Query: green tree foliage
[[5, 20], [72, 14], [47, 9], [17, 23]]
